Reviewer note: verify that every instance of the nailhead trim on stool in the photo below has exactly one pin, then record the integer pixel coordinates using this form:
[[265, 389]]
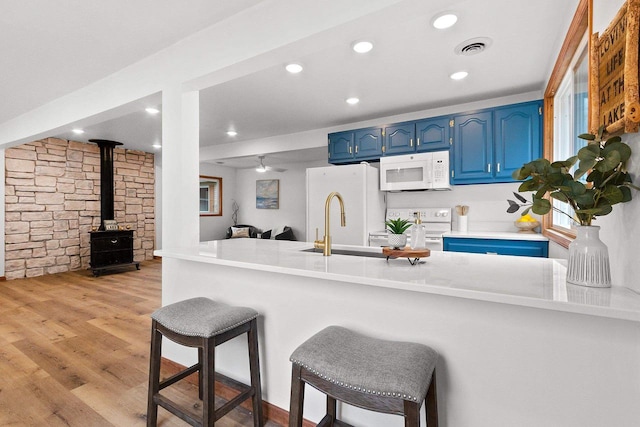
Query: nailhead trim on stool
[[385, 376], [204, 324]]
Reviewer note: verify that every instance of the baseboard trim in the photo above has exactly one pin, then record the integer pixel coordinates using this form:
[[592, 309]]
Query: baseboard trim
[[272, 413]]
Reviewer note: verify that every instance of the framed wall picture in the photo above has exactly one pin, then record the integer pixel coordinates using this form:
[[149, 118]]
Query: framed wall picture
[[267, 193]]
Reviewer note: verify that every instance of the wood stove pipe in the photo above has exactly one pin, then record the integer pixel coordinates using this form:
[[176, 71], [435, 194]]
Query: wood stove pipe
[[106, 178]]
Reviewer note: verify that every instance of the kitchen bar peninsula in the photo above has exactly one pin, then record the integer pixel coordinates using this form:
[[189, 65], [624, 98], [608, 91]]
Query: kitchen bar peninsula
[[518, 346]]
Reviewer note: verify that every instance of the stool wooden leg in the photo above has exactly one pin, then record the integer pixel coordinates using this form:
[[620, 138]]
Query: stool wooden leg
[[297, 397], [411, 414], [200, 382], [331, 410], [208, 382], [154, 375], [432, 403], [254, 366]]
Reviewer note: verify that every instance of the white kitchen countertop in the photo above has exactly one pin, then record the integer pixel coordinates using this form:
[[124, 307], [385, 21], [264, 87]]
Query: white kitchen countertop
[[524, 281], [503, 235]]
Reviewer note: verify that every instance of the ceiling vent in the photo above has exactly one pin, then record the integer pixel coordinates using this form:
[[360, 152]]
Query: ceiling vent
[[473, 46]]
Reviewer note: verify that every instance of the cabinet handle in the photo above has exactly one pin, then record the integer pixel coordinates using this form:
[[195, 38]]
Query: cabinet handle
[[411, 142], [350, 150], [114, 241], [498, 167], [418, 143], [356, 149], [489, 167]]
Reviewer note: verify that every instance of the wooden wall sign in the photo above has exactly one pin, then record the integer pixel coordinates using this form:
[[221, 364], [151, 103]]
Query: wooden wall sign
[[615, 103]]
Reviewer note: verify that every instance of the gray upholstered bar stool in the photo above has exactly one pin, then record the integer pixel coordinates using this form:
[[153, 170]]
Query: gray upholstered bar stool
[[384, 376], [202, 323]]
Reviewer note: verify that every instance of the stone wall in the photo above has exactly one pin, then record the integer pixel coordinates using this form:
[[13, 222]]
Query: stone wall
[[53, 200]]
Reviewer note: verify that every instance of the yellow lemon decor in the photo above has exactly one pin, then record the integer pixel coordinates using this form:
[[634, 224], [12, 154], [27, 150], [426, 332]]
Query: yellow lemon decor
[[526, 218], [526, 223]]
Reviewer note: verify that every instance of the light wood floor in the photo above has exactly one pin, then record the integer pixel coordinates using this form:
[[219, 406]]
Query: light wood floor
[[74, 351]]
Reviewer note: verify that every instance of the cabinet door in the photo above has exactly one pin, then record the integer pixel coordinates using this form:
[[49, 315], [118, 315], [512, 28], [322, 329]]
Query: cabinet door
[[433, 134], [518, 137], [368, 144], [473, 148], [399, 139], [340, 147], [531, 248]]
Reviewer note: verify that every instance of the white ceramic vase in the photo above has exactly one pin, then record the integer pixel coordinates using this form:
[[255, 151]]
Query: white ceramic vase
[[588, 259], [397, 241]]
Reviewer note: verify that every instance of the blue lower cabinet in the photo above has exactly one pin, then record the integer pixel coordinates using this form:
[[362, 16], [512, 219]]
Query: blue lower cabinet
[[532, 248]]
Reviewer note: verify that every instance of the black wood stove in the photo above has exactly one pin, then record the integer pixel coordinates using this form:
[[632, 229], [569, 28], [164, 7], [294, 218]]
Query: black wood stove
[[109, 248]]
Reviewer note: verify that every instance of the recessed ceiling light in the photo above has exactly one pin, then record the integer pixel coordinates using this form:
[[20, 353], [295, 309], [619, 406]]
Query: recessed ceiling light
[[459, 75], [445, 20], [77, 131], [157, 146], [294, 68], [232, 133], [362, 46], [151, 110], [352, 101]]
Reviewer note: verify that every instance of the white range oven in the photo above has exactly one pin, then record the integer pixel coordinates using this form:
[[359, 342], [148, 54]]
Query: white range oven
[[437, 221]]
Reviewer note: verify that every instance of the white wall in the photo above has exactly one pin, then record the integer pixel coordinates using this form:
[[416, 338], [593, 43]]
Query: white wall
[[292, 209], [487, 204], [215, 227]]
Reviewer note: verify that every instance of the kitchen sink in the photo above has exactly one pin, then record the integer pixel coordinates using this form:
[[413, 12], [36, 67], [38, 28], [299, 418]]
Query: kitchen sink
[[351, 252]]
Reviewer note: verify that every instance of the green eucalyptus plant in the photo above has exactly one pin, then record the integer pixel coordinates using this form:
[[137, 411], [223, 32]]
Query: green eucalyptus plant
[[607, 181], [398, 225]]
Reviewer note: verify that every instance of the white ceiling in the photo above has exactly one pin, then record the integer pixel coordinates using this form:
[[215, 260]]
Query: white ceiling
[[71, 44], [50, 48]]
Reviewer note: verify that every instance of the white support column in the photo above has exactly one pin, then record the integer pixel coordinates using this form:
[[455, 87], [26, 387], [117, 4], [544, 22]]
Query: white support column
[[180, 181]]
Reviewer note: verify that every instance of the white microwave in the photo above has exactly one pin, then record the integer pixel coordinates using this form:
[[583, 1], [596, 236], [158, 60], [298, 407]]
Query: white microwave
[[420, 171]]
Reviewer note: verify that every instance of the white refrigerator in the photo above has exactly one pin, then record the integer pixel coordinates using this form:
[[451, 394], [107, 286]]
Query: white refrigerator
[[364, 203]]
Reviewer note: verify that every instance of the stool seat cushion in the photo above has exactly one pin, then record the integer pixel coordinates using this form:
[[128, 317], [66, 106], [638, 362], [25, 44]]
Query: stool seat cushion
[[202, 317], [368, 365]]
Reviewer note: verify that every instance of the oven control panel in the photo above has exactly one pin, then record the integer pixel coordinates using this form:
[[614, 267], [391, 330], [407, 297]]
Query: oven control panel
[[426, 214]]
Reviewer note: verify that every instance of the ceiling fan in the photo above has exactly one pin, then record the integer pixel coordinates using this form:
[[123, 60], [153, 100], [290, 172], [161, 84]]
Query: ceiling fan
[[262, 168]]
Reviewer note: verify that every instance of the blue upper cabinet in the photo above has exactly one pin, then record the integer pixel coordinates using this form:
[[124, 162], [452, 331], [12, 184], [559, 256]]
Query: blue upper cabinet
[[486, 145], [433, 134], [399, 139], [419, 136], [368, 144], [340, 147], [490, 144], [355, 145], [472, 148], [517, 134]]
